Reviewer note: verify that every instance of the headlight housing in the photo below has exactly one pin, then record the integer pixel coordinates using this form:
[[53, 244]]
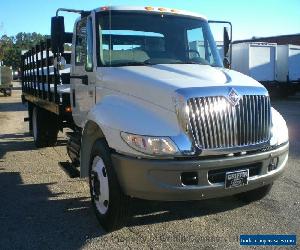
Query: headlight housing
[[157, 146], [279, 132]]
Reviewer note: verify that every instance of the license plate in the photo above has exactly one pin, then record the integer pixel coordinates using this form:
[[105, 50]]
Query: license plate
[[237, 178]]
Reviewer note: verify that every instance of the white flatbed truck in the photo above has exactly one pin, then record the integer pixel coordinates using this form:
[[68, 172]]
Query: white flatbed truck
[[152, 118]]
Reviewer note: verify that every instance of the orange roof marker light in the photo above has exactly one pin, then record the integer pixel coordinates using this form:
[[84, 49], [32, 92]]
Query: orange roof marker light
[[175, 11], [149, 8], [104, 8], [162, 9]]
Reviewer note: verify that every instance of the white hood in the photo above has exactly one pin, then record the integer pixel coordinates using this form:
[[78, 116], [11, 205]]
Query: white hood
[[158, 83]]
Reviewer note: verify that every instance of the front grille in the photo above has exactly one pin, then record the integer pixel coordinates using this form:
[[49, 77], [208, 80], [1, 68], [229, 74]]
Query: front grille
[[218, 176], [216, 123]]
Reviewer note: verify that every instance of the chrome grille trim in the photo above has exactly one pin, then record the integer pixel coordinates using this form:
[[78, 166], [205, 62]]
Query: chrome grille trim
[[216, 124]]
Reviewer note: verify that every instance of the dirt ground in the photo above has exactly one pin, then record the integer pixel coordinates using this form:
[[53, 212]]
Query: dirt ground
[[41, 207]]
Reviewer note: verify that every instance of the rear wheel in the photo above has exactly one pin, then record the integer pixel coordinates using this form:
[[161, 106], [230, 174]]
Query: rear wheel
[[256, 194], [109, 202], [44, 128]]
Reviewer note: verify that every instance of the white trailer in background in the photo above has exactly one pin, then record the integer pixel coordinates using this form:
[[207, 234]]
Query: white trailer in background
[[200, 47], [257, 60], [288, 66], [220, 48]]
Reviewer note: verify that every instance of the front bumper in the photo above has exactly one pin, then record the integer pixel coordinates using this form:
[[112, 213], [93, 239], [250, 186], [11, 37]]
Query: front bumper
[[161, 179]]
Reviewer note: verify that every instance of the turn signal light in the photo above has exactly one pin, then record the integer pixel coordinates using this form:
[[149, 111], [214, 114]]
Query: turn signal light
[[68, 109], [104, 8]]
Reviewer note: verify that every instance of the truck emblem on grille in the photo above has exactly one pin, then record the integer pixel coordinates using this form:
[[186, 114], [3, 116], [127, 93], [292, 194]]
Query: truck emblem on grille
[[233, 97]]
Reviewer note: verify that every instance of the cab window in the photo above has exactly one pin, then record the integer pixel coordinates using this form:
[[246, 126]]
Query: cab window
[[80, 47], [89, 45]]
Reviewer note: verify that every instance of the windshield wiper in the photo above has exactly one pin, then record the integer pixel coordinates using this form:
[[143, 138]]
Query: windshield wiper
[[188, 62], [132, 64]]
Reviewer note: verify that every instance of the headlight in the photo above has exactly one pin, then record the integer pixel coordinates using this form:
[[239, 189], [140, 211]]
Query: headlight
[[279, 132], [161, 146]]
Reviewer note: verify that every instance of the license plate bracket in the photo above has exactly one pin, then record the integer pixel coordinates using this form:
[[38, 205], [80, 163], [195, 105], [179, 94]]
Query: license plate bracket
[[237, 178]]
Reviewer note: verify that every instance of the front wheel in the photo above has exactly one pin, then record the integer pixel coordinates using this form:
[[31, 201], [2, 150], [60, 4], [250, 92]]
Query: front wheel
[[109, 202], [256, 194]]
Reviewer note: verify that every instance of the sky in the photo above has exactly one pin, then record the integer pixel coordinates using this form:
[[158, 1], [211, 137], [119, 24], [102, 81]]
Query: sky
[[258, 18]]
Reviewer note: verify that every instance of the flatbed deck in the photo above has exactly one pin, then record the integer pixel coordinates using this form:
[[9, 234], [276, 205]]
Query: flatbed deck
[[44, 84]]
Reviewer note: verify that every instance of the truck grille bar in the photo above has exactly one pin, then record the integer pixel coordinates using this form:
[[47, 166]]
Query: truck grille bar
[[215, 123]]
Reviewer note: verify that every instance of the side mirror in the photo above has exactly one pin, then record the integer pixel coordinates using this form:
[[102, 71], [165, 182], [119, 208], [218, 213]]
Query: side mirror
[[226, 41], [57, 34], [226, 63]]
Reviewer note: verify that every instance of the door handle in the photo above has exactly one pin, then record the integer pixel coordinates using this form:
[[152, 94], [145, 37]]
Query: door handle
[[84, 79]]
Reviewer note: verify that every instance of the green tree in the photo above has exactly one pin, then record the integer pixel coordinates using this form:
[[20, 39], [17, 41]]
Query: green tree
[[5, 44], [11, 47]]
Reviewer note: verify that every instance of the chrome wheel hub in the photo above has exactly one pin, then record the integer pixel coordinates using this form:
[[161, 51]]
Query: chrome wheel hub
[[99, 182]]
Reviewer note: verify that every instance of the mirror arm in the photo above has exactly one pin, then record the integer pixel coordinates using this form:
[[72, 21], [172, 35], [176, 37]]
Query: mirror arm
[[80, 12]]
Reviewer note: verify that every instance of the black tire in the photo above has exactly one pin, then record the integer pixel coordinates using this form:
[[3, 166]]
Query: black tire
[[117, 205], [44, 127], [256, 194]]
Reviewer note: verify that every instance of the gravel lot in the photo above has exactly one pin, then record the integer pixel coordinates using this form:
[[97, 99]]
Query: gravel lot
[[41, 207]]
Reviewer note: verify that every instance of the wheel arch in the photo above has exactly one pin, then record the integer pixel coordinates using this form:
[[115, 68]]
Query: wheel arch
[[90, 134]]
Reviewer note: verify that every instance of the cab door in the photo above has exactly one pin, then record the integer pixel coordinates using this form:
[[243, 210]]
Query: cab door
[[83, 76]]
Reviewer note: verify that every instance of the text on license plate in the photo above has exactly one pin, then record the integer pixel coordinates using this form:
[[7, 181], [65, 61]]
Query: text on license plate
[[237, 178]]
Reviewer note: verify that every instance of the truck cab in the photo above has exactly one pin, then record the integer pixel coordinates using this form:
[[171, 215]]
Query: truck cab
[[128, 45], [158, 117]]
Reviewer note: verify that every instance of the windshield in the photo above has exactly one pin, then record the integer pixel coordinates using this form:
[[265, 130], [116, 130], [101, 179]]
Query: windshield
[[146, 39]]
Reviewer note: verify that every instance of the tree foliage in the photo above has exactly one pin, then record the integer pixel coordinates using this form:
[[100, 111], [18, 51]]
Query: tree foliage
[[12, 46]]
